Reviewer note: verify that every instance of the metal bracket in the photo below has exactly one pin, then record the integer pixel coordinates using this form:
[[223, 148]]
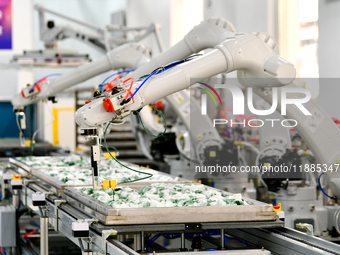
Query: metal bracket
[[89, 221], [308, 227], [105, 235], [56, 204], [96, 184], [81, 246], [25, 189], [39, 199], [16, 182], [193, 226]]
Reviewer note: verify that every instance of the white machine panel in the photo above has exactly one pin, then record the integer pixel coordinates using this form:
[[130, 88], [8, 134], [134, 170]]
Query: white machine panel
[[7, 226]]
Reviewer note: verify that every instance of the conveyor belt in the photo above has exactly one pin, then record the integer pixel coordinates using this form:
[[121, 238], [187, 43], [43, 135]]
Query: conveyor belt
[[182, 227], [268, 234], [304, 239], [123, 247], [285, 241]]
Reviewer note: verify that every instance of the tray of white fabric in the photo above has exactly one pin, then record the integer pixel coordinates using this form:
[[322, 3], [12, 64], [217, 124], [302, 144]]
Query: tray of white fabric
[[166, 203]]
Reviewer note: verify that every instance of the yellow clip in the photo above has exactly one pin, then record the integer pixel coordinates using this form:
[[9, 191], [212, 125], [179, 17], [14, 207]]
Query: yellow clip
[[305, 153], [199, 181], [16, 178], [277, 208], [110, 184], [193, 181], [239, 143], [107, 155], [301, 227]]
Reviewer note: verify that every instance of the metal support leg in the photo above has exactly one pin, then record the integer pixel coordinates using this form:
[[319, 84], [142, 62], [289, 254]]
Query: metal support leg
[[2, 181], [142, 241], [121, 238], [57, 203], [136, 242], [222, 240], [43, 235], [15, 198], [183, 242]]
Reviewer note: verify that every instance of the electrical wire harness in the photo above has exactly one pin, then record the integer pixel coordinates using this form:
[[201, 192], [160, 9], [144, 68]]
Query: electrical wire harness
[[162, 69]]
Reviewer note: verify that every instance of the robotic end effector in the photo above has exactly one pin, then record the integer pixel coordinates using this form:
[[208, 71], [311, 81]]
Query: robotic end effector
[[255, 57]]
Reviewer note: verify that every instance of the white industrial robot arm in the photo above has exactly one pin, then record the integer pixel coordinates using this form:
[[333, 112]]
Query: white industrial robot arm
[[131, 55], [253, 54], [118, 106], [99, 38], [319, 132], [259, 66], [248, 52], [207, 34]]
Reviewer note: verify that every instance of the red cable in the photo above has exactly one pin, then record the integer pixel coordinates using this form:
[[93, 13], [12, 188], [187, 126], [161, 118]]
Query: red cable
[[129, 90], [29, 233], [337, 121], [44, 79], [109, 85], [37, 85]]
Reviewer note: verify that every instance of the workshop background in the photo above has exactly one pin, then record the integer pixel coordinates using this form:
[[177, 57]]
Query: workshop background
[[304, 30], [125, 149]]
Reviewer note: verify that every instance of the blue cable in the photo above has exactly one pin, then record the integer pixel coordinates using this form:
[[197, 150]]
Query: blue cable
[[166, 243], [211, 250], [0, 196], [142, 84], [126, 71], [211, 232], [156, 72], [152, 240], [36, 224], [53, 74], [323, 190], [4, 249]]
